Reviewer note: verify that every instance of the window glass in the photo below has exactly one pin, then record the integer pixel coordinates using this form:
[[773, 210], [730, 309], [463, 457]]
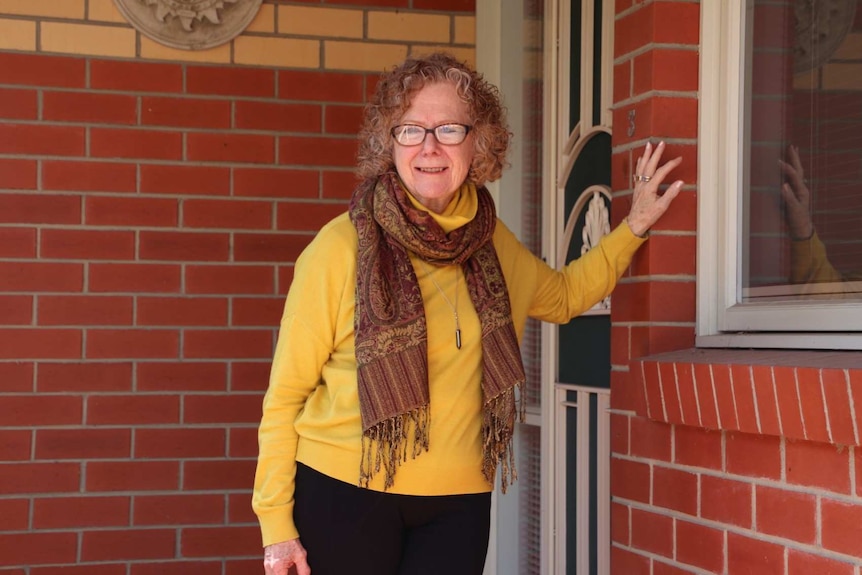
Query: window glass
[[802, 156]]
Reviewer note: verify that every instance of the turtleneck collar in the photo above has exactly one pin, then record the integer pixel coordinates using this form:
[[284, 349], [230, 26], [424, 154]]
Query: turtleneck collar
[[461, 210]]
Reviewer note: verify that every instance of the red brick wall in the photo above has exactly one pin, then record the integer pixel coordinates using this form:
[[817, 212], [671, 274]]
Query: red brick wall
[[655, 94], [724, 461], [150, 214]]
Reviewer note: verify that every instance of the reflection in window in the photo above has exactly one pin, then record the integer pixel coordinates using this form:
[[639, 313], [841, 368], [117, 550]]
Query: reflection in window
[[803, 151]]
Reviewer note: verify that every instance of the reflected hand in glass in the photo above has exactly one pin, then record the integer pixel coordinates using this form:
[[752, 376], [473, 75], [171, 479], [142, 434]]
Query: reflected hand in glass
[[796, 196]]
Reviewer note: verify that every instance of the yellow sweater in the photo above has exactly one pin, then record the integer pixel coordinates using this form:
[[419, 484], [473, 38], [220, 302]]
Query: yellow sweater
[[311, 409], [809, 263]]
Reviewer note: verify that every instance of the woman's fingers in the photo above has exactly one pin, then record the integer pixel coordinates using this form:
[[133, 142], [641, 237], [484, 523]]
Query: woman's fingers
[[651, 161], [648, 163], [797, 163], [664, 170], [797, 182], [279, 557], [790, 171], [275, 566], [647, 205], [642, 160], [796, 196], [302, 568], [788, 195]]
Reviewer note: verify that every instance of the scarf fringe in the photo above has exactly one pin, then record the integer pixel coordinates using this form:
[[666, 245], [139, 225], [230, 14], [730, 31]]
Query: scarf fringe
[[498, 433], [386, 444]]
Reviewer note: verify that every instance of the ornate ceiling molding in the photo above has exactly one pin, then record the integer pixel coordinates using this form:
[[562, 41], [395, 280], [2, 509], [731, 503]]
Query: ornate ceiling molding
[[189, 24]]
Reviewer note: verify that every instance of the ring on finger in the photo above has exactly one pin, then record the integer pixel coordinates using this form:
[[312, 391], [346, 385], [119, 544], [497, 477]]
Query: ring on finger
[[638, 178]]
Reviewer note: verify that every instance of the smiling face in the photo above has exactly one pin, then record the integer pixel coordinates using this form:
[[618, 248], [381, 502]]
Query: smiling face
[[432, 172]]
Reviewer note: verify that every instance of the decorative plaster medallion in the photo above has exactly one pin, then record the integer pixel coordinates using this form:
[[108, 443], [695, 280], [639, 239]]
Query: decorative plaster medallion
[[189, 24], [820, 28], [597, 224]]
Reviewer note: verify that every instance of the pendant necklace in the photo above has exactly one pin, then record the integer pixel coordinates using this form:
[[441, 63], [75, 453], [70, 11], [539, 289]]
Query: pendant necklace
[[454, 308]]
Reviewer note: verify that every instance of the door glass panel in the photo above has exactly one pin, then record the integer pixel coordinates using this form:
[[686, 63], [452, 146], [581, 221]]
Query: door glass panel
[[571, 485], [531, 157], [584, 357], [529, 149], [530, 499], [583, 405], [575, 65]]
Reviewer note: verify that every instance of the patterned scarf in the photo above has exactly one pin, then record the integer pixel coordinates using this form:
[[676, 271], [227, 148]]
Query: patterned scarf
[[391, 331]]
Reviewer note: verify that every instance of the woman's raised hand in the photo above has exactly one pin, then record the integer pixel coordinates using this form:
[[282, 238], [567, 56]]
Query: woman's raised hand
[[647, 205], [278, 558]]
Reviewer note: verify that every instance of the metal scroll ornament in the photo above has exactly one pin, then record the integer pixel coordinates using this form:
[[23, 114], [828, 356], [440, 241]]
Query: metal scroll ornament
[[820, 28], [189, 24]]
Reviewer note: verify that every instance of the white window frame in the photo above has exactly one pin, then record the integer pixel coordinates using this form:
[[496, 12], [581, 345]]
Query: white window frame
[[722, 319]]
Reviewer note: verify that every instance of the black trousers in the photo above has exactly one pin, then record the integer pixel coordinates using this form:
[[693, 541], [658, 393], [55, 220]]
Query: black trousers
[[347, 530]]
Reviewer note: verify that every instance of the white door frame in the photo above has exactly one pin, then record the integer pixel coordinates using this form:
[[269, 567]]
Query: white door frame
[[496, 20]]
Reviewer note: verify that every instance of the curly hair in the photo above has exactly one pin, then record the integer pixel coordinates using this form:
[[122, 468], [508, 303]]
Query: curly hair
[[393, 96]]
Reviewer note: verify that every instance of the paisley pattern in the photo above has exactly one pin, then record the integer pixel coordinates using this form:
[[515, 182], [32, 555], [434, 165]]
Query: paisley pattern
[[391, 330]]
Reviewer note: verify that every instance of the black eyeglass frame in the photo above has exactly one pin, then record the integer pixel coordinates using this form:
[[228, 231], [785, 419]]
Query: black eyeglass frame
[[433, 131]]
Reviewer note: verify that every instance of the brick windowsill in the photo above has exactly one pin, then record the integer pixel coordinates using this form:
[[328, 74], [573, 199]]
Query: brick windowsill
[[815, 396]]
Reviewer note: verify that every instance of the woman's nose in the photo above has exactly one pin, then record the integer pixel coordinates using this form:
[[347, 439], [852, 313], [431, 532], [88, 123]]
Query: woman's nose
[[430, 143]]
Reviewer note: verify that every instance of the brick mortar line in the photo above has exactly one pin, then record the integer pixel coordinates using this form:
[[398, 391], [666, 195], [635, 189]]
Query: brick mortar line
[[661, 558], [643, 3], [177, 163], [173, 129], [649, 324], [733, 397], [183, 95], [126, 361], [364, 38], [231, 65], [654, 47], [177, 95], [718, 417], [696, 398], [126, 493], [729, 528], [825, 401], [818, 523], [852, 401], [167, 229], [778, 414], [754, 399], [646, 401], [799, 409], [655, 94], [149, 295], [664, 413], [756, 481], [161, 426], [637, 144], [129, 393]]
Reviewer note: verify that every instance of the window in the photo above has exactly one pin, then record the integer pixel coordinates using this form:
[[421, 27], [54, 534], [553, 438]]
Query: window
[[780, 182]]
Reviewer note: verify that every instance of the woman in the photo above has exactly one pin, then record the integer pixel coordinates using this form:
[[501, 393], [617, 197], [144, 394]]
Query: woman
[[809, 261], [392, 397]]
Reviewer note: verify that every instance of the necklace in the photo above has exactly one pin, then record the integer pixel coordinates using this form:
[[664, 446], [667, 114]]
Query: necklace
[[454, 308]]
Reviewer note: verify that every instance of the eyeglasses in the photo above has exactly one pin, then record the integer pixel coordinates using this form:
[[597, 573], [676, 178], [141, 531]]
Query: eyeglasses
[[446, 134]]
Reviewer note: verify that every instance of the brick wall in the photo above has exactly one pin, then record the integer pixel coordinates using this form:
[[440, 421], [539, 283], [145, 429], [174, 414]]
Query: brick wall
[[724, 461], [152, 202]]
